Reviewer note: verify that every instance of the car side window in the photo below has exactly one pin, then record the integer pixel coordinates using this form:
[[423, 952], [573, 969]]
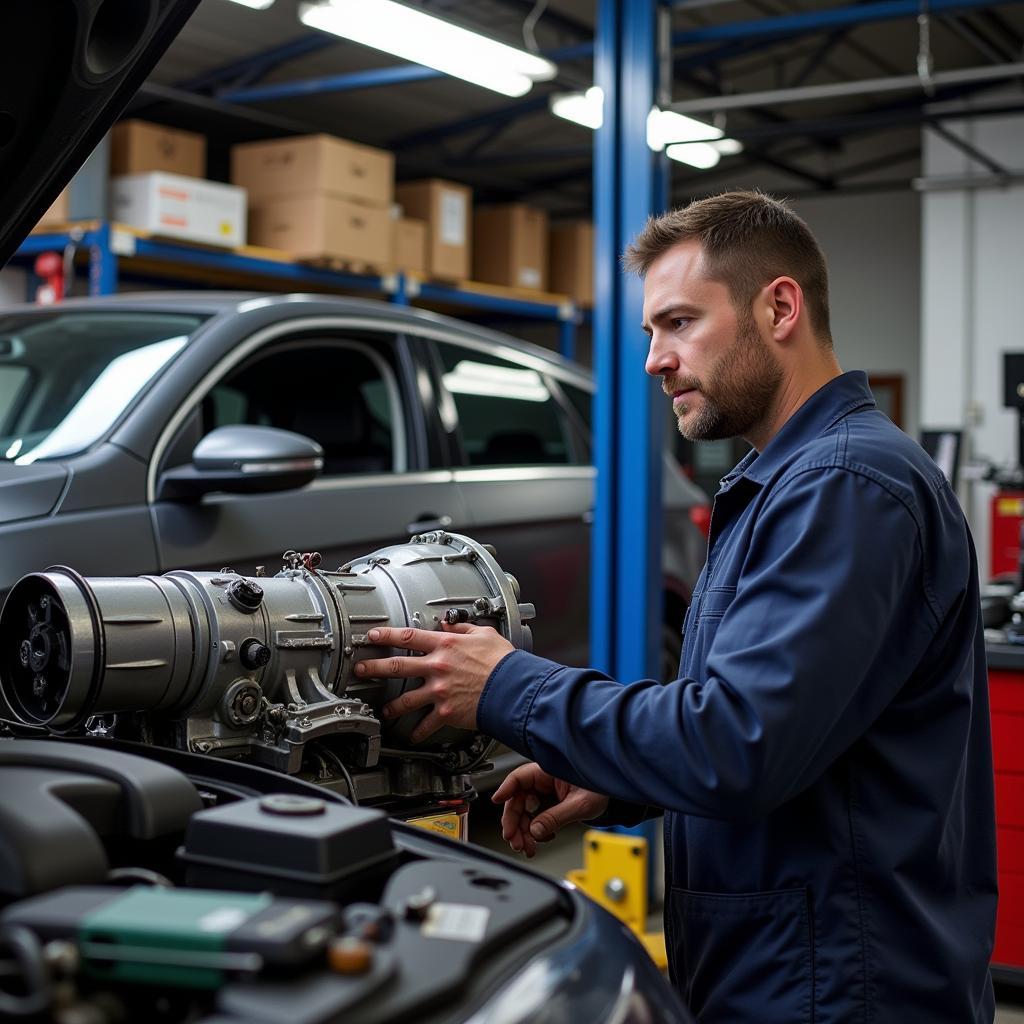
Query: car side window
[[582, 402], [343, 394], [506, 414]]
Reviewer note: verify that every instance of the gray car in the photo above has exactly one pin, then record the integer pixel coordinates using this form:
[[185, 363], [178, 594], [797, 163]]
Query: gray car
[[424, 422]]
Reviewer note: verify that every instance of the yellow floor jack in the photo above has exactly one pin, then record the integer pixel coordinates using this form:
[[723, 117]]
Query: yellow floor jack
[[614, 874]]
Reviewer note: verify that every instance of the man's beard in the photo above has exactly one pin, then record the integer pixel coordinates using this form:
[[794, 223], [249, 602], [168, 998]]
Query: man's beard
[[737, 393]]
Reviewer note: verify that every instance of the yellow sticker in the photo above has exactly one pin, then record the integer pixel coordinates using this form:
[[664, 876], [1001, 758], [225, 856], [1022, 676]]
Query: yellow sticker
[[1010, 506], [450, 825], [225, 227]]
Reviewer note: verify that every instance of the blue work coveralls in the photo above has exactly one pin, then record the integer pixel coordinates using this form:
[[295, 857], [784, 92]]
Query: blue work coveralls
[[824, 759]]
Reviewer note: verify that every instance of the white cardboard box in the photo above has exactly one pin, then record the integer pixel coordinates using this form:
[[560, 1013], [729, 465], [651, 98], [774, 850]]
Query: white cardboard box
[[179, 207]]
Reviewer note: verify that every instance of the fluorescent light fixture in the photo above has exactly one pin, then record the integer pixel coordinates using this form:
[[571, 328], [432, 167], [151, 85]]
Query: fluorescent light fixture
[[585, 108], [674, 133], [423, 39], [256, 5], [701, 155], [728, 147], [665, 127]]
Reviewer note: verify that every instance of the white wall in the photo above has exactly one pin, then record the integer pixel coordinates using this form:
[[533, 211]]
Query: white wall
[[972, 291], [873, 246]]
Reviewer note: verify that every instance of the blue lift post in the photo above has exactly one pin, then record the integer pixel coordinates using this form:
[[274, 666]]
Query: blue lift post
[[626, 544], [626, 540]]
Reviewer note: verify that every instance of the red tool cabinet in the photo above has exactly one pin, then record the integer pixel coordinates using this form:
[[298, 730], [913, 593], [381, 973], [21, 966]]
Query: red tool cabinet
[[1006, 688]]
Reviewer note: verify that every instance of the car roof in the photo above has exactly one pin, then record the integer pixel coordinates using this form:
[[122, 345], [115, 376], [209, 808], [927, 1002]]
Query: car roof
[[226, 304]]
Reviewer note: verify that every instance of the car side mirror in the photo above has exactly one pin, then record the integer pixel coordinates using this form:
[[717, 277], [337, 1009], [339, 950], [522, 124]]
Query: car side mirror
[[244, 460]]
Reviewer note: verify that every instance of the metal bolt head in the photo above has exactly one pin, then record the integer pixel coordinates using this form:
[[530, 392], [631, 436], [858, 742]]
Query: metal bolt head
[[615, 890]]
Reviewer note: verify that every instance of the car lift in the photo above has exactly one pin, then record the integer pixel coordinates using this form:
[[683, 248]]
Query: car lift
[[614, 875]]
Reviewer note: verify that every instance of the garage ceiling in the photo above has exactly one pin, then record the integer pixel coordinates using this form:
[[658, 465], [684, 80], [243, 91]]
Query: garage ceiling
[[510, 149]]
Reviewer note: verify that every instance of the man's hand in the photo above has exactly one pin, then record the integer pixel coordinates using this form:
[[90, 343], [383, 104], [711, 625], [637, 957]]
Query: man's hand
[[455, 665], [525, 791]]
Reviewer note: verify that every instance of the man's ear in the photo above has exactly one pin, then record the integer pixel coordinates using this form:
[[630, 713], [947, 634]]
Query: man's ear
[[784, 301]]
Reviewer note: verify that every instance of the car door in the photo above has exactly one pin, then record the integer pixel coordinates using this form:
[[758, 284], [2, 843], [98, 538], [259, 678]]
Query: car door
[[352, 391], [525, 483]]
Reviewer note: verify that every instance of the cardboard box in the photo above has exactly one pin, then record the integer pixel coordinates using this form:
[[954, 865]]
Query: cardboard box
[[446, 207], [410, 245], [319, 226], [138, 147], [180, 207], [571, 260], [313, 163], [510, 246]]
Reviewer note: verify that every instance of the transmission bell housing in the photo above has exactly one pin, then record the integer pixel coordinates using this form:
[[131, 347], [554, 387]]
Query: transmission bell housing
[[257, 668]]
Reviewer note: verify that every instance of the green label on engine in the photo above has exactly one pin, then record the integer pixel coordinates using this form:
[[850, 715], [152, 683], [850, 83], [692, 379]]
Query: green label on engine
[[158, 936]]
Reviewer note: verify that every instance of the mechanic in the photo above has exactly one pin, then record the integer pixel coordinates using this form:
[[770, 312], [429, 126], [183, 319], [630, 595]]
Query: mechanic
[[824, 759]]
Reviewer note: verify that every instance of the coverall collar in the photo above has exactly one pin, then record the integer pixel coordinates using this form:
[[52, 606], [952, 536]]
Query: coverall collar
[[829, 404]]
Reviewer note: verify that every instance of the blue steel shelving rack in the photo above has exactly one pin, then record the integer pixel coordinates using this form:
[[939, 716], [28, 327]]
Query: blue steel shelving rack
[[110, 246]]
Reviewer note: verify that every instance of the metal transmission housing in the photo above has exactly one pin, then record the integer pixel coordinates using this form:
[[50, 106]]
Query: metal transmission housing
[[255, 667]]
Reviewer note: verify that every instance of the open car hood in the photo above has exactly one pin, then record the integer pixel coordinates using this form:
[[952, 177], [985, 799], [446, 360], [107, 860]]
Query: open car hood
[[67, 70]]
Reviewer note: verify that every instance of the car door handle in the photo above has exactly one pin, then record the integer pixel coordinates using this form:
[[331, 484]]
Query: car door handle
[[428, 522]]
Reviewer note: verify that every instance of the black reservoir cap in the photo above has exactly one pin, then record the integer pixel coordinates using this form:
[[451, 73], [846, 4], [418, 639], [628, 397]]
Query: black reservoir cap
[[275, 838]]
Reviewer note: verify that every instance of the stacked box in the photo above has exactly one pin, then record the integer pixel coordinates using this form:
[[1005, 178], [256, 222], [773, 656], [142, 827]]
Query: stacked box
[[175, 206], [510, 246], [445, 206], [571, 260], [318, 197], [138, 147], [410, 245]]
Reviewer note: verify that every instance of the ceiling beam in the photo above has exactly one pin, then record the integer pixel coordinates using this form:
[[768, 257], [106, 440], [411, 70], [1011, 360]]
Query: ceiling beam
[[832, 90], [823, 20], [258, 63]]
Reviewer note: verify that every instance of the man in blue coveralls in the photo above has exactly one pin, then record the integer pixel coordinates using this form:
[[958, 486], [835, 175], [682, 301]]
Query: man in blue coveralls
[[823, 759]]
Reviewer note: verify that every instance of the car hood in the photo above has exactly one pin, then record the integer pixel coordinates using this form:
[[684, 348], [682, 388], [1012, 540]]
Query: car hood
[[67, 70], [30, 491]]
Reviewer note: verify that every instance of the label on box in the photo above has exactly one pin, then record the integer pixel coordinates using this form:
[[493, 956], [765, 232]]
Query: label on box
[[529, 277], [463, 922], [453, 218]]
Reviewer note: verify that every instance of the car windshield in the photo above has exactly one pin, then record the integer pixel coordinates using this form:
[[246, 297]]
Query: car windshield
[[66, 377]]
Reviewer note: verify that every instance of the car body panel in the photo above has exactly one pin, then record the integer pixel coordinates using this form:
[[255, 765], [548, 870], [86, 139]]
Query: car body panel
[[30, 491]]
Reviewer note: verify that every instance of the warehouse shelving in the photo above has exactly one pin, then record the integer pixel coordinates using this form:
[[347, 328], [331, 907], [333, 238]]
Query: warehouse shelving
[[114, 248]]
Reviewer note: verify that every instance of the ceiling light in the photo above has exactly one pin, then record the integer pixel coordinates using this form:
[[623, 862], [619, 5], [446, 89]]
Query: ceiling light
[[256, 5], [728, 147], [423, 39], [701, 155], [585, 108], [674, 133], [665, 127]]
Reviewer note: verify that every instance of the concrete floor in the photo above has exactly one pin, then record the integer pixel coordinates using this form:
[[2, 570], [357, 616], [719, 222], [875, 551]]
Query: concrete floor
[[565, 852]]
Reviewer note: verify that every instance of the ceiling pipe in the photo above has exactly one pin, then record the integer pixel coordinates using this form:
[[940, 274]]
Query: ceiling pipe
[[808, 93]]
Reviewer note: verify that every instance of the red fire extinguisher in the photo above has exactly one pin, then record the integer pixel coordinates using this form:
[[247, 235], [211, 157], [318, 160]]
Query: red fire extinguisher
[[50, 267]]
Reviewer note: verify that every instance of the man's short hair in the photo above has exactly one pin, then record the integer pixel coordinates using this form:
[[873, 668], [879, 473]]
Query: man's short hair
[[747, 240]]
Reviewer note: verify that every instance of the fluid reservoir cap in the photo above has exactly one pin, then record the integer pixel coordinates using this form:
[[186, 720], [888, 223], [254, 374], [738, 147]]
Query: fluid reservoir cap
[[245, 595], [287, 803]]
